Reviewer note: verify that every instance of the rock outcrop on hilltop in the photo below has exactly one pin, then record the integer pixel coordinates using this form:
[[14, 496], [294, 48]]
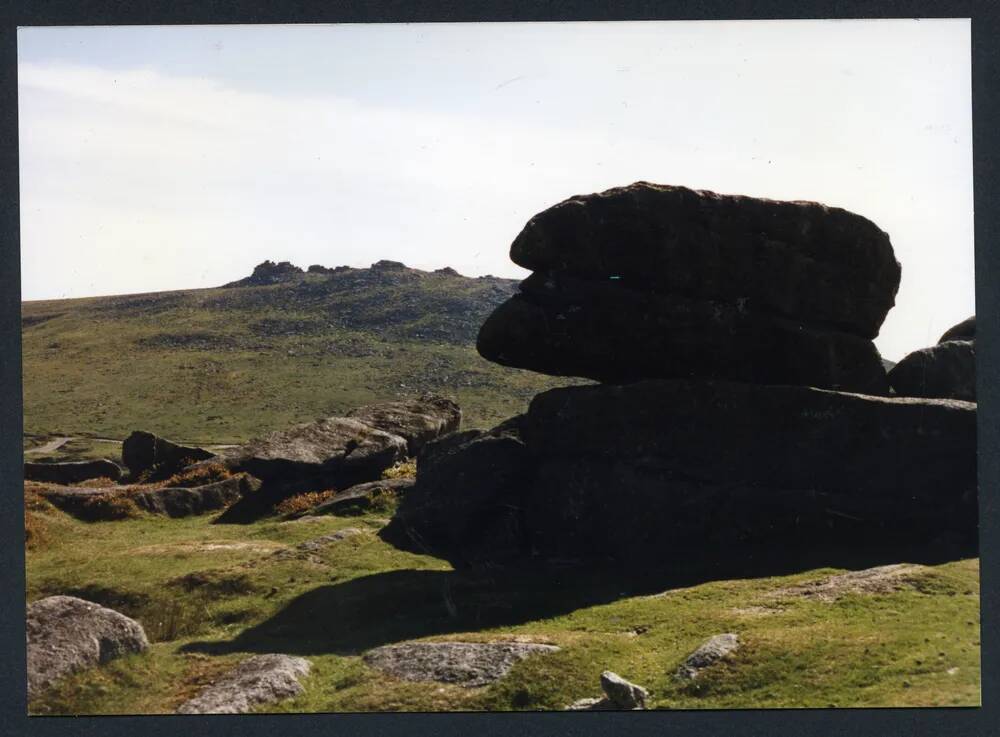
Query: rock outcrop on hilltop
[[728, 332], [650, 281], [947, 369], [268, 272]]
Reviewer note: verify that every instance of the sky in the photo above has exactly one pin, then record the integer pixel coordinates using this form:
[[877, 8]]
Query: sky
[[159, 158]]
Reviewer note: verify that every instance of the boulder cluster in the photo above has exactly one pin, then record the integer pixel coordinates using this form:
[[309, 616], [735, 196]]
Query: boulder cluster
[[742, 405]]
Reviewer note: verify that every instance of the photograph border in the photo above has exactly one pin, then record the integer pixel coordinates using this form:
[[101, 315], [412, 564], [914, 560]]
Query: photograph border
[[884, 722]]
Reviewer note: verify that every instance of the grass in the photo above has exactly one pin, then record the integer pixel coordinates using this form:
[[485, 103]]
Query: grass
[[210, 594], [225, 365]]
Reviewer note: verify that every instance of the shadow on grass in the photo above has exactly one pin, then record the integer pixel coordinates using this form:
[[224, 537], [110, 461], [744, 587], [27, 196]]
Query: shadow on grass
[[351, 617]]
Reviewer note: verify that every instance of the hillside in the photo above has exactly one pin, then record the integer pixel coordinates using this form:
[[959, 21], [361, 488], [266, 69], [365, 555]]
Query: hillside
[[278, 347]]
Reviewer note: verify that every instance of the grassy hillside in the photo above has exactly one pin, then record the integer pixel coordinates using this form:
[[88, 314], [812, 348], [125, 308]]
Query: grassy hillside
[[223, 365], [208, 595]]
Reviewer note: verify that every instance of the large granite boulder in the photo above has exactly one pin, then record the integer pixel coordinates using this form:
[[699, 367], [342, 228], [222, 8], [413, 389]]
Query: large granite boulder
[[415, 420], [965, 330], [946, 370], [143, 452], [822, 265], [669, 470], [72, 472], [66, 634], [603, 330]]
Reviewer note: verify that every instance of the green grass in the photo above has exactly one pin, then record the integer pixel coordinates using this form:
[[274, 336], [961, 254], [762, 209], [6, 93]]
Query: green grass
[[207, 608], [225, 365]]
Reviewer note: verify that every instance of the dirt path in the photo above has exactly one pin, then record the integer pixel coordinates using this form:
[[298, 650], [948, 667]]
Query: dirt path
[[50, 446]]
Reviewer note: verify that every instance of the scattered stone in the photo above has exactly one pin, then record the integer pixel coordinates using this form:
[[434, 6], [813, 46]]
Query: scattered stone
[[358, 499], [181, 502], [621, 693], [946, 370], [144, 451], [336, 452], [72, 472], [467, 664], [870, 581], [803, 260], [261, 679], [710, 652], [965, 330], [416, 420], [66, 634], [102, 504]]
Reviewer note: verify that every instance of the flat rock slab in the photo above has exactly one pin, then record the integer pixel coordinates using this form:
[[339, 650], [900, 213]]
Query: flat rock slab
[[259, 680], [799, 259], [66, 634], [870, 581], [467, 664], [415, 420], [358, 499], [708, 654], [72, 472]]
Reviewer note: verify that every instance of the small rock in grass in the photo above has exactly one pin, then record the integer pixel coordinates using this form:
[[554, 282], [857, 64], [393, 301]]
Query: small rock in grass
[[261, 679], [710, 652], [622, 693]]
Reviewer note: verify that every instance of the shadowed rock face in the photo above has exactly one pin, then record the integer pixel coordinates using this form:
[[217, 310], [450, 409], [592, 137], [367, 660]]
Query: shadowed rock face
[[645, 471], [965, 330], [72, 472], [66, 634], [945, 370], [141, 451], [565, 326], [803, 260]]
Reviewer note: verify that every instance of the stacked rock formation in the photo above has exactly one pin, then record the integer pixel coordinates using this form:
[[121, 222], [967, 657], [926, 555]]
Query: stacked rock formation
[[743, 404], [650, 281]]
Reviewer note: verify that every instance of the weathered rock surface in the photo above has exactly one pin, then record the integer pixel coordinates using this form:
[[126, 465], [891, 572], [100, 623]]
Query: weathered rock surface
[[946, 370], [623, 694], [142, 451], [415, 420], [258, 680], [466, 664], [86, 503], [66, 634], [965, 330], [181, 502], [72, 472], [358, 499], [709, 653], [619, 695], [803, 260], [335, 452], [605, 331], [642, 471]]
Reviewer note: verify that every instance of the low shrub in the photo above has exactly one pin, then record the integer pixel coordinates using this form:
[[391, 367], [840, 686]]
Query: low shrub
[[204, 473], [405, 469], [107, 507], [303, 502]]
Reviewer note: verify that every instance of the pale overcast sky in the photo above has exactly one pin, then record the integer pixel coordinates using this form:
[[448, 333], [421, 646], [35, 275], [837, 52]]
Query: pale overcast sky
[[157, 158]]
